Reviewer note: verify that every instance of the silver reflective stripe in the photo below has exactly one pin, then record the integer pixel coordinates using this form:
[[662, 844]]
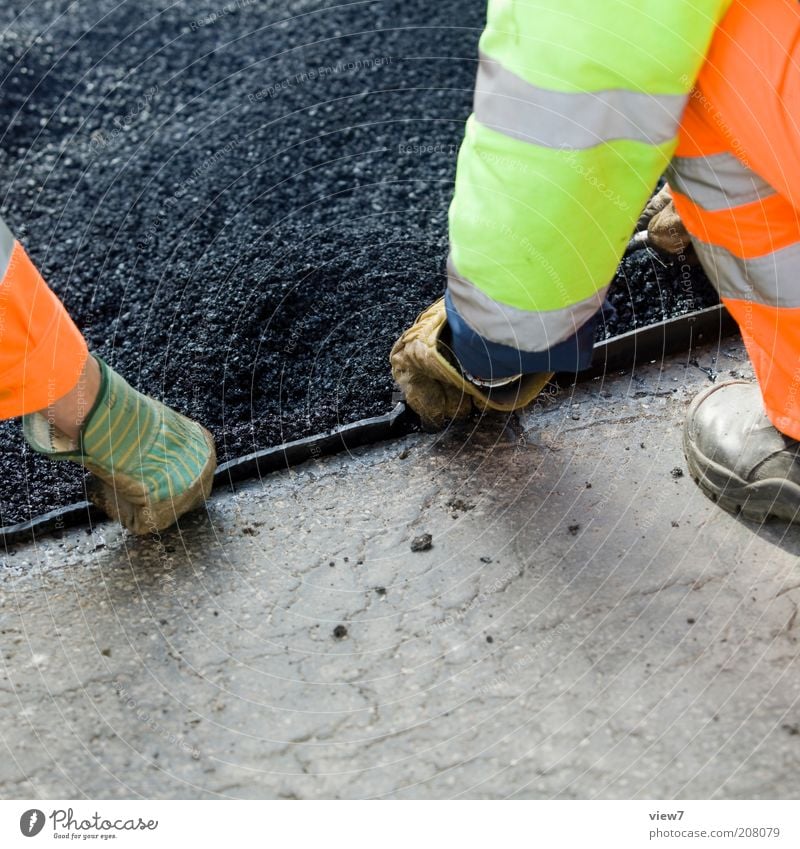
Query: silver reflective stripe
[[717, 182], [572, 120], [773, 279], [6, 247], [525, 330]]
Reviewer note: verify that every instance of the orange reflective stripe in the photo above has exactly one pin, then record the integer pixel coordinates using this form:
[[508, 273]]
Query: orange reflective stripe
[[772, 337], [748, 231], [42, 352]]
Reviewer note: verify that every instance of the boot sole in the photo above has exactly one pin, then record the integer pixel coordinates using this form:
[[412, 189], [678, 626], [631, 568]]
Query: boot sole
[[157, 516], [758, 501]]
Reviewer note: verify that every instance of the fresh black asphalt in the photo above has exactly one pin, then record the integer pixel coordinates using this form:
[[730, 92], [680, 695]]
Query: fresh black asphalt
[[244, 203]]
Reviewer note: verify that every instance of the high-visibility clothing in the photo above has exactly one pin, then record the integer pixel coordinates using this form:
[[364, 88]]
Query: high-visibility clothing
[[42, 352], [736, 184], [576, 111]]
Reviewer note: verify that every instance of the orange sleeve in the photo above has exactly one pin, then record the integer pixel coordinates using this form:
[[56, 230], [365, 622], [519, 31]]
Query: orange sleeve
[[42, 352]]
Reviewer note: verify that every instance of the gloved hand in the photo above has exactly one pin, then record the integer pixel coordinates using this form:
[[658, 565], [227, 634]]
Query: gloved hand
[[665, 230], [150, 464], [434, 386]]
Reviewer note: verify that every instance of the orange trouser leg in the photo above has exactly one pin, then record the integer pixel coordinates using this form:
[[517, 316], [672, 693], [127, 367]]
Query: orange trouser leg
[[42, 353], [736, 185]]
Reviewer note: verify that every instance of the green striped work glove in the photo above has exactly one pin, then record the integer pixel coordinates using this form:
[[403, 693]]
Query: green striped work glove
[[150, 464]]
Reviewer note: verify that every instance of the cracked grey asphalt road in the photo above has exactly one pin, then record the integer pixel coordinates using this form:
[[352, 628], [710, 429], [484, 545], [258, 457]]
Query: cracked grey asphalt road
[[586, 624]]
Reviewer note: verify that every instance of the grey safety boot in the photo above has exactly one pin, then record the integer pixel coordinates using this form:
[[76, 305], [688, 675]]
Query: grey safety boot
[[738, 457]]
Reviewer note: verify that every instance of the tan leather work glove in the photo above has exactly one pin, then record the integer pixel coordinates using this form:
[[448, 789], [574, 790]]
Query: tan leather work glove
[[435, 387], [665, 230]]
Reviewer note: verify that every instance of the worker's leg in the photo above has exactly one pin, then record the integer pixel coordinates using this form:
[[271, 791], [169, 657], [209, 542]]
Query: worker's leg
[[69, 413], [151, 464], [736, 185]]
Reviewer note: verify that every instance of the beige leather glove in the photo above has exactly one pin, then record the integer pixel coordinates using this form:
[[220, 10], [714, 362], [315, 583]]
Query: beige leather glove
[[434, 386], [665, 229]]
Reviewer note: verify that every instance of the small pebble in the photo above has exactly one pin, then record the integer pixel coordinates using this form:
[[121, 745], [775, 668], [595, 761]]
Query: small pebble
[[340, 632], [422, 543]]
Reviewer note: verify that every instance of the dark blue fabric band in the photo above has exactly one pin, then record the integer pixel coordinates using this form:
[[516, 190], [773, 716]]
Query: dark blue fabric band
[[485, 359]]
